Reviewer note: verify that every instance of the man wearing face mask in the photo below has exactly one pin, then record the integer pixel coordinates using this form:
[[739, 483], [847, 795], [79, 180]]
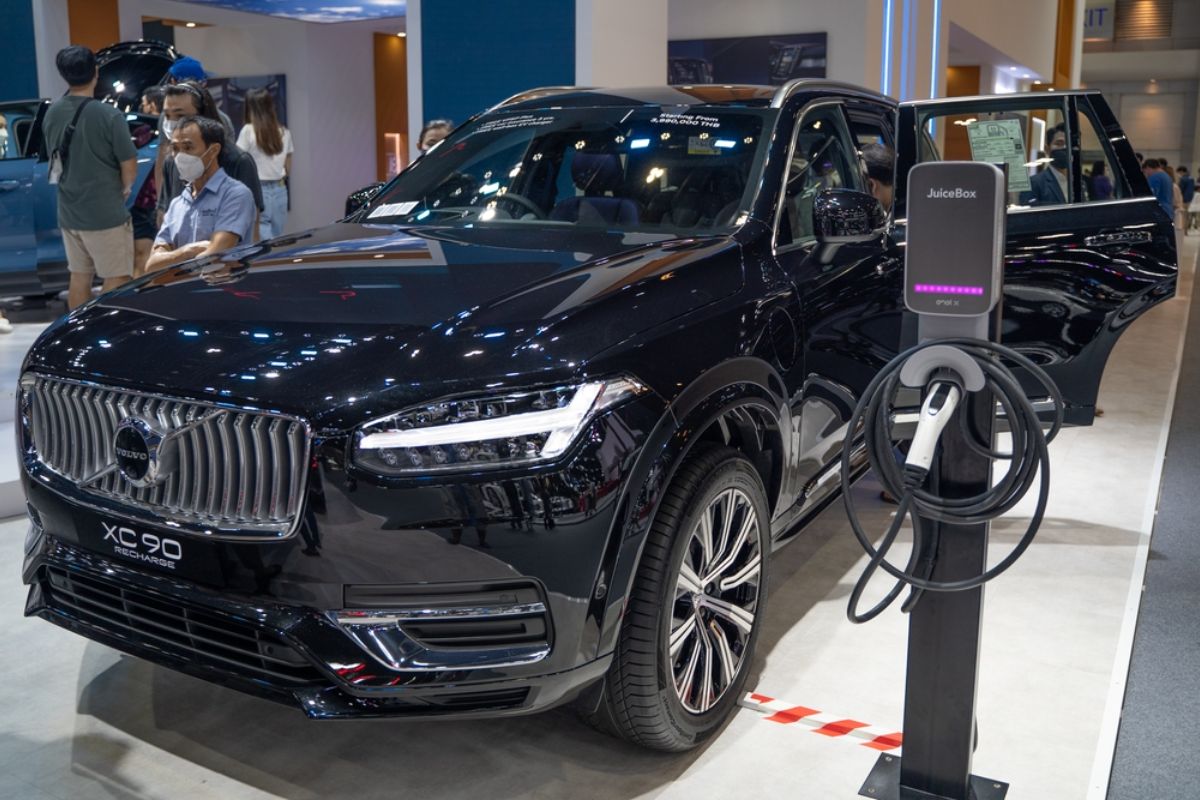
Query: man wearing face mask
[[1049, 187], [214, 212], [187, 99]]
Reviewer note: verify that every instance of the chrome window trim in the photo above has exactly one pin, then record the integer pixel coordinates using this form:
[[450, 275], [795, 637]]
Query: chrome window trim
[[785, 92], [135, 510], [787, 165]]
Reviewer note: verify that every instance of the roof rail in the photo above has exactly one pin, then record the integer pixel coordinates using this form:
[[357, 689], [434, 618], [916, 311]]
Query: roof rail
[[797, 84], [534, 94]]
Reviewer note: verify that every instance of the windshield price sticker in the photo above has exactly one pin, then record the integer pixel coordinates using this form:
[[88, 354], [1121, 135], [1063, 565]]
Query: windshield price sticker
[[513, 123], [1000, 141], [692, 120], [700, 146], [393, 209]]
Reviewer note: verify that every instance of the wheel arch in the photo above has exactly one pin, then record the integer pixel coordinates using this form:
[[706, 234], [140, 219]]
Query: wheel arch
[[739, 403]]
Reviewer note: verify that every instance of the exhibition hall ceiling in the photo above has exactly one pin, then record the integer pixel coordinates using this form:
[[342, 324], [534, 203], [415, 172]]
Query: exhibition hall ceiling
[[314, 10]]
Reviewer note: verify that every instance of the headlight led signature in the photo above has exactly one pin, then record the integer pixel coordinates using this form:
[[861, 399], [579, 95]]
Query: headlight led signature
[[512, 429]]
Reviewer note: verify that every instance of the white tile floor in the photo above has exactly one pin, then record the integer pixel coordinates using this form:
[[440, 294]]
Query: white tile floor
[[78, 720]]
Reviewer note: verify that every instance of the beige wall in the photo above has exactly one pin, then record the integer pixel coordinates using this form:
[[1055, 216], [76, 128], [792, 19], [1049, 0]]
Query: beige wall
[[1022, 29], [609, 51], [330, 90]]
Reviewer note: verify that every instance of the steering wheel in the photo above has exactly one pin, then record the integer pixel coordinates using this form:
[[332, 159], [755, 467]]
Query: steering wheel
[[523, 202]]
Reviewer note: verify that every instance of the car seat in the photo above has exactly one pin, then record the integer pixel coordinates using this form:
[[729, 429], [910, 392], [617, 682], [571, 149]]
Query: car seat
[[597, 175], [708, 197]]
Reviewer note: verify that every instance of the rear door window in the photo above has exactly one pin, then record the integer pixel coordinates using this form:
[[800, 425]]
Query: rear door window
[[1029, 138], [1102, 178]]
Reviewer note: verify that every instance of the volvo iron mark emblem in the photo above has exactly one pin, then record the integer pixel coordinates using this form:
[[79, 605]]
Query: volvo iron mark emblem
[[145, 455]]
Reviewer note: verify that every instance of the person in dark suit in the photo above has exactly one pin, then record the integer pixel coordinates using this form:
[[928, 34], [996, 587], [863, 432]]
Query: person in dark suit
[[1049, 187]]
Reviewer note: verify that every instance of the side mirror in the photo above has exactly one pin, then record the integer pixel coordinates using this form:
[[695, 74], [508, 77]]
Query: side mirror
[[846, 216], [356, 200]]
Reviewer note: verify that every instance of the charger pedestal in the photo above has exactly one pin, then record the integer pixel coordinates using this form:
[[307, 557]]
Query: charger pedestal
[[956, 290], [944, 627]]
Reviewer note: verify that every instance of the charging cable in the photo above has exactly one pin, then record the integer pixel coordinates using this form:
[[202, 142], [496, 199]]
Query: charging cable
[[1028, 462]]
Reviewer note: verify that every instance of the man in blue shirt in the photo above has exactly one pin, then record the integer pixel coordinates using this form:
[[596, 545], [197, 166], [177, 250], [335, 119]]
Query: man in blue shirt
[[214, 212], [1160, 186], [1187, 188]]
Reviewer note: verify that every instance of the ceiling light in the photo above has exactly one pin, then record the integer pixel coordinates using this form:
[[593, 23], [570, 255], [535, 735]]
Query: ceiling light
[[189, 24], [402, 34]]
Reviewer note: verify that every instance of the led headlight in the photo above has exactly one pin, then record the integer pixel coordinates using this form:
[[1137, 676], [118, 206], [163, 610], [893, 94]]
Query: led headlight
[[498, 431]]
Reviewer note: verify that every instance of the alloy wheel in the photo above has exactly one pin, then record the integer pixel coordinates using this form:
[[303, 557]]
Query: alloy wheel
[[715, 600]]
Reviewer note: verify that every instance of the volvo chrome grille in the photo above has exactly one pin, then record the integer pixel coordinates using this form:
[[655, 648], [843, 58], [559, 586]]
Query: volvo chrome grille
[[229, 469]]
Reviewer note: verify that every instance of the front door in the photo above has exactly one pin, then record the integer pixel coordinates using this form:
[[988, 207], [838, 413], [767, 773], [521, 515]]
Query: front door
[[849, 295], [1088, 250]]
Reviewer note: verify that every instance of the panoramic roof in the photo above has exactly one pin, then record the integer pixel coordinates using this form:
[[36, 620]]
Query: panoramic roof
[[314, 10]]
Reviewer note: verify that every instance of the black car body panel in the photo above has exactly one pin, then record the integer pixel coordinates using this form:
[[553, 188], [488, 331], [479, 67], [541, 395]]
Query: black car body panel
[[731, 336]]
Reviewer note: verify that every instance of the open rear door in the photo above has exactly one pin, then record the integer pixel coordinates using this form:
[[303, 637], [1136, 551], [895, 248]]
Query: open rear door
[[1087, 254]]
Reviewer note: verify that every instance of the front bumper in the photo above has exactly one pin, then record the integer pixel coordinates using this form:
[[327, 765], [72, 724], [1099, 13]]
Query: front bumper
[[283, 653], [297, 619]]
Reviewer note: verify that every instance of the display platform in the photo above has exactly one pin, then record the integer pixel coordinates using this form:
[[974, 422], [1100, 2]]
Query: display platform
[[78, 720]]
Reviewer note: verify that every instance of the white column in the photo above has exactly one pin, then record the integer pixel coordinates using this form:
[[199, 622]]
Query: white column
[[1077, 45], [416, 97], [1194, 164], [620, 42], [51, 33]]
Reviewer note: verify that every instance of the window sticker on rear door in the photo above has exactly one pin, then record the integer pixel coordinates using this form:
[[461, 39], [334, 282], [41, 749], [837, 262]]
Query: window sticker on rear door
[[1000, 141]]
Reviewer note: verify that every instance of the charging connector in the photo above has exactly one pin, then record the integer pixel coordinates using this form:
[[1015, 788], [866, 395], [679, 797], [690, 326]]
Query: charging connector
[[1028, 463], [941, 401]]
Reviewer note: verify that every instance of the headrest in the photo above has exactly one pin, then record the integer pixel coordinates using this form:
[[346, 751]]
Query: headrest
[[597, 173]]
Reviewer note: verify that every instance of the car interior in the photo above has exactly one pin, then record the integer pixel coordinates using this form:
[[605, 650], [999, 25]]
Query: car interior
[[638, 175]]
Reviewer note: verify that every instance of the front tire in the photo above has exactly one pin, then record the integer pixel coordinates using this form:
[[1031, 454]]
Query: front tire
[[692, 620]]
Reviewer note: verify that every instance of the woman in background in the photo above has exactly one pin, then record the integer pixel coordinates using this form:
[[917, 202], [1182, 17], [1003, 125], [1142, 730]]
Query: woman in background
[[434, 131], [270, 144]]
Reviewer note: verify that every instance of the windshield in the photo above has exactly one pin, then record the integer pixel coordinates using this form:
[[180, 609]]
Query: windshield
[[687, 169]]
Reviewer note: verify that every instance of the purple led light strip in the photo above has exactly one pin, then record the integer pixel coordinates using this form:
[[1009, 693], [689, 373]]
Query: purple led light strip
[[941, 288]]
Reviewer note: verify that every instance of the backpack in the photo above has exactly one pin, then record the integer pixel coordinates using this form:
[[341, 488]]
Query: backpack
[[59, 155]]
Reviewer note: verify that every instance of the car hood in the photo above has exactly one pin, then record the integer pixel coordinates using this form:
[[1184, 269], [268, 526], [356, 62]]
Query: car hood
[[348, 321]]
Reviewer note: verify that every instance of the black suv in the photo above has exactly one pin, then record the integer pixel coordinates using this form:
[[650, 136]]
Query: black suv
[[527, 427]]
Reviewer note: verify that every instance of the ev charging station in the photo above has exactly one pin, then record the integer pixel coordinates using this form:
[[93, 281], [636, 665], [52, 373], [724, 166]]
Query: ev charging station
[[944, 485]]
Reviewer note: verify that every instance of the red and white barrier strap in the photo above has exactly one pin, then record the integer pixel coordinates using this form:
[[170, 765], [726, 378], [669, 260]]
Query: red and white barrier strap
[[825, 724]]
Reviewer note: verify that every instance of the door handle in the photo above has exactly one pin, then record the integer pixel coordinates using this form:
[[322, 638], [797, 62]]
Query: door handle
[[886, 265], [8, 186], [1118, 237]]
